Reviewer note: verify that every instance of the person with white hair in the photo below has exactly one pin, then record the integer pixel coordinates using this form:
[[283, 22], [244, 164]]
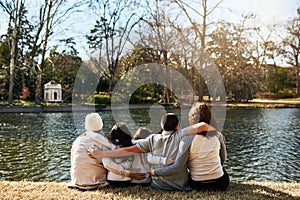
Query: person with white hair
[[88, 173]]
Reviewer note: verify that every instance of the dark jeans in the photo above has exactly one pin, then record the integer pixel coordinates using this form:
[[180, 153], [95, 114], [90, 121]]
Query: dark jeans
[[119, 183], [126, 184], [218, 184]]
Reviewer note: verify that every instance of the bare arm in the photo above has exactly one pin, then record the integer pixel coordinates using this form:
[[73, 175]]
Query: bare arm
[[122, 152]]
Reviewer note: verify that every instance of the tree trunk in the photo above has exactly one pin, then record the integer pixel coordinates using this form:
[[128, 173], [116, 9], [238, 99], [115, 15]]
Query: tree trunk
[[38, 84], [13, 50], [167, 77], [38, 87], [297, 82]]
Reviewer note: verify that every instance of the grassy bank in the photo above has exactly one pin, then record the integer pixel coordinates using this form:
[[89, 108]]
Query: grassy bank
[[51, 190]]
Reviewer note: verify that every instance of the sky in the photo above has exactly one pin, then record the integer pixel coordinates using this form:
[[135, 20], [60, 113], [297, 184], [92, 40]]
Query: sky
[[267, 11]]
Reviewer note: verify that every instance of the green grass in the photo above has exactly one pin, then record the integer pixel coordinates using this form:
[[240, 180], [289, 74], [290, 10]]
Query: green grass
[[52, 190]]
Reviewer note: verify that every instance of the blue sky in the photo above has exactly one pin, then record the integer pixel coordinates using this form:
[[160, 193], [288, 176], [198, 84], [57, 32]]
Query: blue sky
[[267, 11]]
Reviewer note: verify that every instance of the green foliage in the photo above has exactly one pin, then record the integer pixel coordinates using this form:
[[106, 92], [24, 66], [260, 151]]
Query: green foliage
[[137, 99], [101, 98], [287, 94], [4, 54], [278, 81], [62, 68], [103, 85], [4, 69], [230, 45]]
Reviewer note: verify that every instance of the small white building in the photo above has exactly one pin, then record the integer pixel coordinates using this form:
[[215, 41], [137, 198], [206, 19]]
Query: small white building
[[52, 92]]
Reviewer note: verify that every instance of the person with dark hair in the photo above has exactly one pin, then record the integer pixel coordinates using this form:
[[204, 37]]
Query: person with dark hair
[[169, 122], [165, 144], [121, 136], [205, 153]]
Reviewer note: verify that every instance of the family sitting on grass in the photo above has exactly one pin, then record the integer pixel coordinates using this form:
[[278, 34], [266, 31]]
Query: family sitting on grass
[[175, 159]]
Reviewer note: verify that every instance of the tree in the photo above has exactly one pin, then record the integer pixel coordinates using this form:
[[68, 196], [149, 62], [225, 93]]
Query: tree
[[111, 33], [160, 37], [277, 80], [142, 56], [4, 68], [15, 12], [29, 38], [200, 27], [292, 51], [264, 49], [62, 68], [228, 49], [46, 23]]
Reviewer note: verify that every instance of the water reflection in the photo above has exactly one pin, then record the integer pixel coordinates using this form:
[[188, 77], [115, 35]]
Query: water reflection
[[263, 144], [35, 146]]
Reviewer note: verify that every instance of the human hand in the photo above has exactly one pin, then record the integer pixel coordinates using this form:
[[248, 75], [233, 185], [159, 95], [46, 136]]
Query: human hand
[[169, 161], [203, 127], [137, 176], [94, 152], [210, 128], [224, 139], [152, 173]]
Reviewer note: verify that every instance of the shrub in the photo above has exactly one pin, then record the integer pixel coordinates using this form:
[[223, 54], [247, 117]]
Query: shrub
[[136, 99], [286, 94], [101, 98]]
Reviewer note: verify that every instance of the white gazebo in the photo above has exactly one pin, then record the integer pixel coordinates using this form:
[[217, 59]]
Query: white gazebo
[[52, 92]]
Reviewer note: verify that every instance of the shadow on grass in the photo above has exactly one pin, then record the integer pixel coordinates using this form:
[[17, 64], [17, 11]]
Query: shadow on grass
[[259, 191], [251, 191]]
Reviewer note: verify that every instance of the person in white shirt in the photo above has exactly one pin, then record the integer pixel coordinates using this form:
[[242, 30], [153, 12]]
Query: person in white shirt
[[205, 153], [89, 173]]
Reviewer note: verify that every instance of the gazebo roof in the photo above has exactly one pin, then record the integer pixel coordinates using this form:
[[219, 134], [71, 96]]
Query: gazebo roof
[[52, 85]]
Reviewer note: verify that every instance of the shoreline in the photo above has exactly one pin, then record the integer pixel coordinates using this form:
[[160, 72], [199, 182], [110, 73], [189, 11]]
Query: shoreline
[[66, 109], [96, 108]]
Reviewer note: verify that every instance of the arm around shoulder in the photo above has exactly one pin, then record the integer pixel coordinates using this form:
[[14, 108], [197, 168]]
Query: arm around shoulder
[[199, 127], [122, 152]]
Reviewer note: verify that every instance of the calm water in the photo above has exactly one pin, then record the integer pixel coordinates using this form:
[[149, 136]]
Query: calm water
[[262, 144]]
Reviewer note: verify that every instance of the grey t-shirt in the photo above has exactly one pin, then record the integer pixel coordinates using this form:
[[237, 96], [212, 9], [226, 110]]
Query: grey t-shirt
[[166, 144], [183, 154]]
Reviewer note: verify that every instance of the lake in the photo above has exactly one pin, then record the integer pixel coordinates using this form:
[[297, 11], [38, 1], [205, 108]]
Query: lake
[[262, 144]]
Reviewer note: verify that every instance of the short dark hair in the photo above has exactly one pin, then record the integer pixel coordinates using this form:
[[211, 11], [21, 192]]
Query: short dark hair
[[169, 122], [120, 135]]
